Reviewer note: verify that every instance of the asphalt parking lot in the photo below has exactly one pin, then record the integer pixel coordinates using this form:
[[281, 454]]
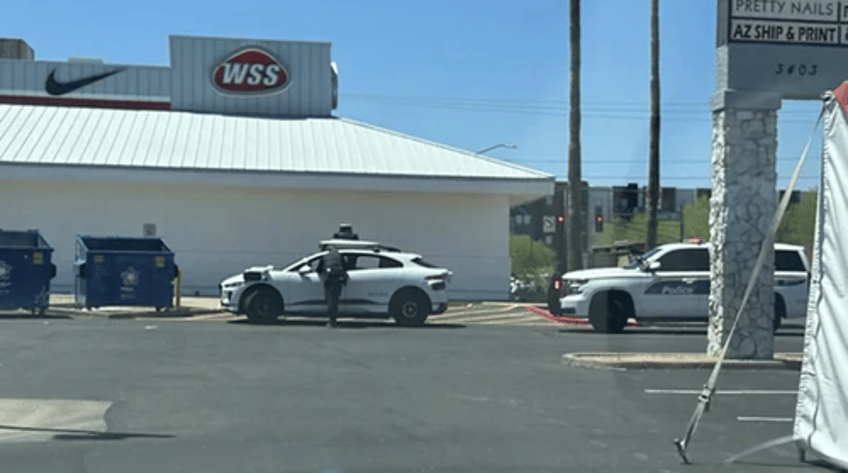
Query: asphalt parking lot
[[98, 393], [201, 308]]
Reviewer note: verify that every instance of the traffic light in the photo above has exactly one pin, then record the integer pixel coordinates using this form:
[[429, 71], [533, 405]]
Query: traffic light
[[599, 223], [559, 235]]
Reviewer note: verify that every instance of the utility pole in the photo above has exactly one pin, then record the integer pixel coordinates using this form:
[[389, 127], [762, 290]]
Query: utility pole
[[575, 246], [654, 147]]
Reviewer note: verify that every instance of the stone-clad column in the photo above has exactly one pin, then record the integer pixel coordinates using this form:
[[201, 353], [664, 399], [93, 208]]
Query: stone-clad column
[[741, 209]]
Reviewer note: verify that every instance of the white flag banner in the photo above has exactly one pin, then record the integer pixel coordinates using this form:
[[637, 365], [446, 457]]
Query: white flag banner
[[821, 413]]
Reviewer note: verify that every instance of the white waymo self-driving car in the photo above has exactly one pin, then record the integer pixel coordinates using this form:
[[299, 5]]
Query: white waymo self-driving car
[[383, 282]]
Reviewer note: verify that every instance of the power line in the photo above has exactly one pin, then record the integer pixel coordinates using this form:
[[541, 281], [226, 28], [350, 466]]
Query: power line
[[531, 103], [702, 117], [677, 178], [564, 103], [620, 161], [550, 108]]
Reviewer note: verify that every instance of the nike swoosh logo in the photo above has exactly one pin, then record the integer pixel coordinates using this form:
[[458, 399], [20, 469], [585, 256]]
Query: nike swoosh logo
[[61, 88]]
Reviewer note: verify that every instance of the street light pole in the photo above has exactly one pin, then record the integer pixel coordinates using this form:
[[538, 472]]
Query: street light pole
[[499, 145]]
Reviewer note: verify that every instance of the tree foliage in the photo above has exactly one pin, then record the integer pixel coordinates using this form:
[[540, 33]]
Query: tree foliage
[[799, 222], [796, 227], [696, 219], [634, 229], [533, 262], [530, 256]]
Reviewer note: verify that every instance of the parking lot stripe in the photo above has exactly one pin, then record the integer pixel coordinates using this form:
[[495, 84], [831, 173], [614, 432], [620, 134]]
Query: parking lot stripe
[[478, 311], [448, 315], [518, 318], [482, 318], [764, 419], [726, 391]]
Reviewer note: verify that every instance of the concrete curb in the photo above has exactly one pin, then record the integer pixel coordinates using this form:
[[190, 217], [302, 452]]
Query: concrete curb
[[130, 313], [63, 305], [787, 361]]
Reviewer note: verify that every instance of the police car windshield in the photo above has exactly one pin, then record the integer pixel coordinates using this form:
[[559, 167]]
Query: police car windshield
[[636, 261]]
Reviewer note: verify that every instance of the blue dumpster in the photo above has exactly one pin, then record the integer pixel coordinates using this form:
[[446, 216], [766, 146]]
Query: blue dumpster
[[123, 271], [25, 271]]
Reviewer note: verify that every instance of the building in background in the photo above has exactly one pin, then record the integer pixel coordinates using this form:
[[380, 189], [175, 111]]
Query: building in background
[[603, 206], [233, 156], [609, 203]]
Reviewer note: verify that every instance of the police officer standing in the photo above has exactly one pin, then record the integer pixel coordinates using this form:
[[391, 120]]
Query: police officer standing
[[331, 269]]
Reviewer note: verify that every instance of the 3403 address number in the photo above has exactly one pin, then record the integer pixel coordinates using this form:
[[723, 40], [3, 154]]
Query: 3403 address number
[[796, 69]]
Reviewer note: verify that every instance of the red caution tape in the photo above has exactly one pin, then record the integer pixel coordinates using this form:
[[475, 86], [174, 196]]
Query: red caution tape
[[564, 320]]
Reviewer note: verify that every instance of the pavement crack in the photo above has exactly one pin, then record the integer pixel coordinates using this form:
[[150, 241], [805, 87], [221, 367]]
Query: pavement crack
[[348, 356], [510, 402]]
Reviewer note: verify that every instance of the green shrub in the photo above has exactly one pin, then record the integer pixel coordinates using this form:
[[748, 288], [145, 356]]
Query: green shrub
[[533, 263]]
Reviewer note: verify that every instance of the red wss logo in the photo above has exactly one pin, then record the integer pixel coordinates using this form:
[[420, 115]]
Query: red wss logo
[[250, 71]]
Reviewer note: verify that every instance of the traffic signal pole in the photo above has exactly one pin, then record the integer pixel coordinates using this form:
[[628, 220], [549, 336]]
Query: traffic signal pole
[[559, 230]]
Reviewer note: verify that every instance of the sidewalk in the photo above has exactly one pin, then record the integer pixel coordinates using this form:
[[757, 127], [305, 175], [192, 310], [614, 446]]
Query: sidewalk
[[190, 306]]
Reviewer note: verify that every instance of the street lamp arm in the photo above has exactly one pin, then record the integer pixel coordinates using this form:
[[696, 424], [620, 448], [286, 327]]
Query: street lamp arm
[[499, 145]]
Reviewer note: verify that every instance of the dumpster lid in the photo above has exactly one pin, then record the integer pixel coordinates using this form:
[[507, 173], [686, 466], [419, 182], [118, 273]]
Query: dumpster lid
[[23, 239], [123, 244]]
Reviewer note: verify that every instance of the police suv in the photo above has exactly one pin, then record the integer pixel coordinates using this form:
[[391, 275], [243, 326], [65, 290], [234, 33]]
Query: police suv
[[382, 282], [669, 282]]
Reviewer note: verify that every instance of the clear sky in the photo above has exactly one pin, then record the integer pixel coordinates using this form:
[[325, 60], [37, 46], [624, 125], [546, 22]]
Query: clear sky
[[469, 74]]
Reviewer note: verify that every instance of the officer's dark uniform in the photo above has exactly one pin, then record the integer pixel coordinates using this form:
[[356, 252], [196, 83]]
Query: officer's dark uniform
[[331, 268]]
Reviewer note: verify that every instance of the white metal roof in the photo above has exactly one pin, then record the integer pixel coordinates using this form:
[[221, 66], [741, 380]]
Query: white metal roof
[[170, 140]]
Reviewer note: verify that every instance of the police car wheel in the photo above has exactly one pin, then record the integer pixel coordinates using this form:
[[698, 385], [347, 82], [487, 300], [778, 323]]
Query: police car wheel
[[609, 311], [409, 308], [263, 305]]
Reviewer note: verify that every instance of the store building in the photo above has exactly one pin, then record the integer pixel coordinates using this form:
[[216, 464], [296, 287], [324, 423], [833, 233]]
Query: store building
[[234, 157]]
